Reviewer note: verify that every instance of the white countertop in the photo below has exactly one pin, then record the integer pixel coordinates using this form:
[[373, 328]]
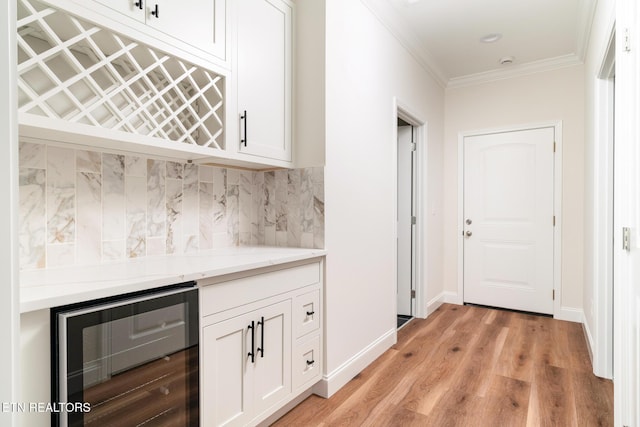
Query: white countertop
[[41, 289]]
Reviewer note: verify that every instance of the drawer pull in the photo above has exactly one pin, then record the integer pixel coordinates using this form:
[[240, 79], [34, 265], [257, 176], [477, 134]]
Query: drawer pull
[[310, 313], [310, 362]]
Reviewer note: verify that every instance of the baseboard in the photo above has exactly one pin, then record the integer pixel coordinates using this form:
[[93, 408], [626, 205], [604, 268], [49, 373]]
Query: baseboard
[[434, 304], [452, 298], [588, 337], [570, 314], [286, 408], [335, 380]]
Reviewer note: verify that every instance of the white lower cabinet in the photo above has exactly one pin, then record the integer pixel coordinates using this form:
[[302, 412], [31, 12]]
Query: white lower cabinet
[[246, 365], [260, 343]]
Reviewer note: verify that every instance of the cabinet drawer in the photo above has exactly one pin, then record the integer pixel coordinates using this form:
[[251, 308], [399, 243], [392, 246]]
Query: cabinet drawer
[[307, 313], [218, 294], [306, 362]]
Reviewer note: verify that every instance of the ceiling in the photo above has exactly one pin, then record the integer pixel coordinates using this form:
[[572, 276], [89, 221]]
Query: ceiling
[[538, 34]]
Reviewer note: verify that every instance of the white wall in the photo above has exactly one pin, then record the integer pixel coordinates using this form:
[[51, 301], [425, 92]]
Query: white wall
[[366, 67], [596, 250], [9, 318], [309, 84], [543, 97]]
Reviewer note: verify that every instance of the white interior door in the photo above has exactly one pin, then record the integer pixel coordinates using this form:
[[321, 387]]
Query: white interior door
[[508, 213], [405, 226]]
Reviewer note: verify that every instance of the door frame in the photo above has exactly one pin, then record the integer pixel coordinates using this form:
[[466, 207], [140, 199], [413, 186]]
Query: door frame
[[603, 210], [411, 200], [558, 311], [10, 364], [406, 113]]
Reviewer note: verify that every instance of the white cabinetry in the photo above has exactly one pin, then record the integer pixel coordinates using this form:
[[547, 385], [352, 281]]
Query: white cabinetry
[[263, 74], [157, 77], [246, 364], [260, 344], [199, 23]]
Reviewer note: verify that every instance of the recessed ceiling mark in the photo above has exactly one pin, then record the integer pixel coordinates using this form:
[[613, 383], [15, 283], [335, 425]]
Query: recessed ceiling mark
[[506, 60], [491, 38]]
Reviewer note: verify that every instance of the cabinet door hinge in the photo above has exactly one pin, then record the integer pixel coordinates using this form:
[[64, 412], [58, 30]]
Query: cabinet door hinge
[[413, 220], [554, 220], [554, 146], [553, 295], [413, 293], [626, 239], [414, 146], [627, 40]]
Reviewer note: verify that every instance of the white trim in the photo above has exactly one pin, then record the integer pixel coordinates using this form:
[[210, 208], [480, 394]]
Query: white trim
[[435, 303], [406, 113], [588, 337], [9, 258], [389, 18], [384, 11], [452, 298], [344, 373], [569, 314], [626, 387], [518, 70], [558, 310], [585, 22], [601, 344], [286, 408]]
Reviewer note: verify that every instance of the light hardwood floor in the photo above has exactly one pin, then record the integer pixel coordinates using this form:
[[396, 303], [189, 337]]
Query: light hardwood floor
[[472, 366]]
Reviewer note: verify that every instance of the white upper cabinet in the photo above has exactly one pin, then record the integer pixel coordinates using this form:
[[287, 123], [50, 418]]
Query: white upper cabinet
[[132, 8], [198, 23], [263, 75]]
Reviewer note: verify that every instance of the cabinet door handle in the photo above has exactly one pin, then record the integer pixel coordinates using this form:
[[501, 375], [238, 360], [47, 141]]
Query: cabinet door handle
[[310, 362], [243, 117], [138, 4], [310, 313], [261, 348], [252, 353], [155, 12]]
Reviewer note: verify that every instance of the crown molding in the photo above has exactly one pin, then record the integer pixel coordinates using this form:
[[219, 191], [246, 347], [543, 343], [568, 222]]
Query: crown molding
[[585, 23], [515, 71], [389, 18]]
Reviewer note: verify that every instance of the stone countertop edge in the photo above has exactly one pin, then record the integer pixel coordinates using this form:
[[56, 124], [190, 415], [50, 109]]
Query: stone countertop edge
[[47, 288]]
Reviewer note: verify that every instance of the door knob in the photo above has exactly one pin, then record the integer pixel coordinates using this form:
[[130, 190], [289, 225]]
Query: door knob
[[468, 234]]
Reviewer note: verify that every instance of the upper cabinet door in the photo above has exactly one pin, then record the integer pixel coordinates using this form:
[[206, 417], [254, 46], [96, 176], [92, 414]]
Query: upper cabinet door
[[132, 8], [200, 23], [263, 71]]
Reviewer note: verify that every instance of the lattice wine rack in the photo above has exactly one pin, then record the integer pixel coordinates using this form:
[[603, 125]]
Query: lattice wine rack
[[75, 71]]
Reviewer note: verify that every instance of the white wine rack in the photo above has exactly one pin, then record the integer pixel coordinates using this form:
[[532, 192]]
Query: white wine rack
[[72, 70]]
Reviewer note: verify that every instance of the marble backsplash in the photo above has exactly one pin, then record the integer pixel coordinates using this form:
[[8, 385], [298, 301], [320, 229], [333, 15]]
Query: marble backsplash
[[86, 207]]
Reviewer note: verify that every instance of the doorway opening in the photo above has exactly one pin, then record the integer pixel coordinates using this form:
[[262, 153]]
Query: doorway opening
[[411, 199], [406, 220]]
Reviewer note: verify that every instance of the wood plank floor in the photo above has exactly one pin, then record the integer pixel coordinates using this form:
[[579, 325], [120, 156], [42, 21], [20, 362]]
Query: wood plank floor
[[472, 366]]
